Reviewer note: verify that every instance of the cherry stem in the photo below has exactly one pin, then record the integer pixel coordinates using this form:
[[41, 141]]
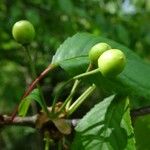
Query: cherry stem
[[81, 99], [58, 94], [86, 74], [72, 92], [77, 81], [75, 85]]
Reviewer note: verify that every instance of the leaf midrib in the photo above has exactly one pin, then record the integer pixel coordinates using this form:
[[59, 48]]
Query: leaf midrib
[[71, 58], [131, 79], [107, 124]]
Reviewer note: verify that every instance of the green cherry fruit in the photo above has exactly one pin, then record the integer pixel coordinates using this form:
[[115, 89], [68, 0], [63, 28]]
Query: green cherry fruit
[[23, 32], [97, 50], [112, 62]]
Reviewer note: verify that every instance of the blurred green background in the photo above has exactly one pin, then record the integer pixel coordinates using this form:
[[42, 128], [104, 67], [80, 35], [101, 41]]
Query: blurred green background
[[125, 21]]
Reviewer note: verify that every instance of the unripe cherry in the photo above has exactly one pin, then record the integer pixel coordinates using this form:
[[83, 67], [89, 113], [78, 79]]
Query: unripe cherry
[[97, 50], [23, 32], [112, 62]]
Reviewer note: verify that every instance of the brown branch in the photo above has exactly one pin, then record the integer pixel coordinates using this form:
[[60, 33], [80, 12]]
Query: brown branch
[[140, 112], [34, 83], [18, 121], [32, 86], [29, 121]]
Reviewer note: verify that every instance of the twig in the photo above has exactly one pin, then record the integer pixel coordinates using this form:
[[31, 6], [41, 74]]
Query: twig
[[29, 121], [18, 121], [32, 86], [140, 112], [34, 83]]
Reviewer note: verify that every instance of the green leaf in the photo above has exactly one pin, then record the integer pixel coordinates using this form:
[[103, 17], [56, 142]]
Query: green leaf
[[142, 132], [25, 103], [106, 127], [122, 34], [23, 107], [72, 56]]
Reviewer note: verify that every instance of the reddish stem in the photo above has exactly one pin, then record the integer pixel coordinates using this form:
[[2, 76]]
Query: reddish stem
[[31, 87]]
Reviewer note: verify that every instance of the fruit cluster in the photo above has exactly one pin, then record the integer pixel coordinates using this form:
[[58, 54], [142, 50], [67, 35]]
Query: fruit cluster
[[111, 62]]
